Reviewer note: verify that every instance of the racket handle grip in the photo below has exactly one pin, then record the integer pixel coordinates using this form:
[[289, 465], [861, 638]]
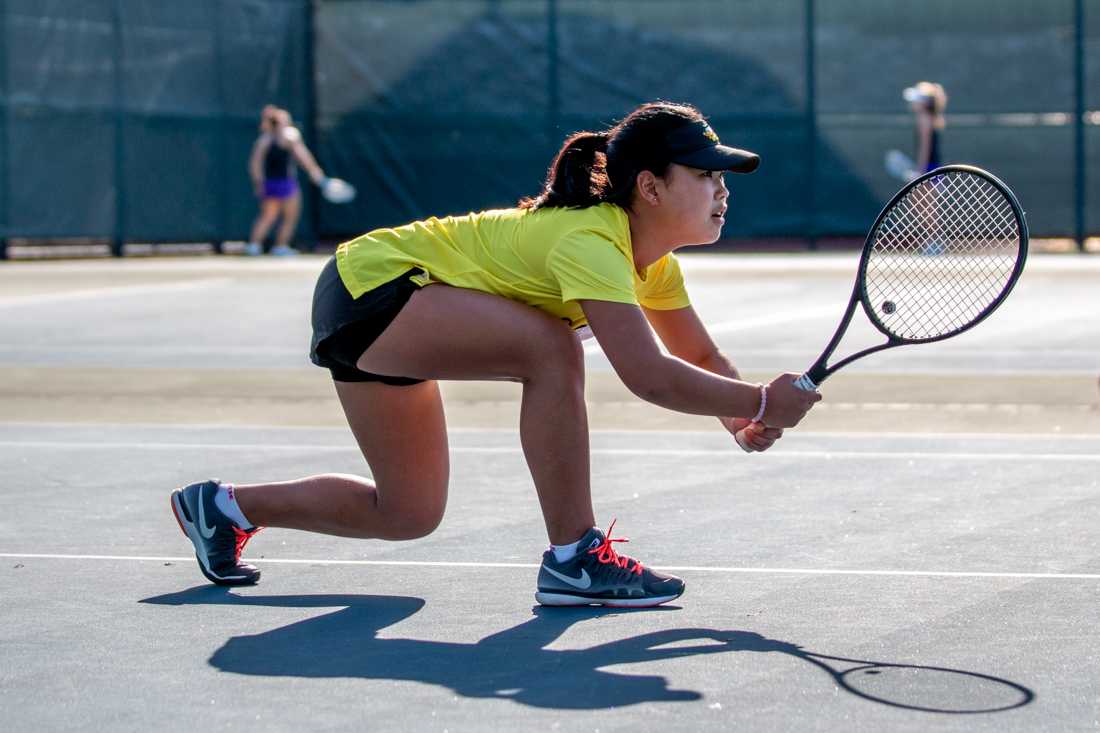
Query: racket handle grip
[[804, 382]]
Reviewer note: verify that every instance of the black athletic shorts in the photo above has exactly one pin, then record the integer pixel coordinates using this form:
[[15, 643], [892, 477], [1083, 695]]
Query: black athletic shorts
[[343, 327]]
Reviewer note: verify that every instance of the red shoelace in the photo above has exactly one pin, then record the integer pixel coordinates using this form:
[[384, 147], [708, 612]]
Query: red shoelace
[[605, 553], [243, 538]]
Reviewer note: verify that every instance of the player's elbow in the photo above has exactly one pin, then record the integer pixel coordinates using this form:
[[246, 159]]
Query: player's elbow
[[648, 391], [645, 383]]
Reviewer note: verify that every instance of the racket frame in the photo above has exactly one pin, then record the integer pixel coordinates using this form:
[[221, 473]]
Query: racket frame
[[817, 373]]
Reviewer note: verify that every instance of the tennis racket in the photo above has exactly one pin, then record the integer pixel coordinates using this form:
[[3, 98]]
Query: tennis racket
[[899, 165], [337, 190], [943, 255]]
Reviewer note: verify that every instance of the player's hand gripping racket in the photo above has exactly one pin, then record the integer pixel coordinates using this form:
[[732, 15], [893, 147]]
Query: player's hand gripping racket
[[942, 255]]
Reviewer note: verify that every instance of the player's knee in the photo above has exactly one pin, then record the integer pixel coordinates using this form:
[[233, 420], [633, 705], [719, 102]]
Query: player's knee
[[417, 523], [558, 352], [413, 511]]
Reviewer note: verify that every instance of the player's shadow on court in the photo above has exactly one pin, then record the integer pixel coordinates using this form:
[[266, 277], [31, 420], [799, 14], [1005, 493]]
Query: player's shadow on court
[[515, 663]]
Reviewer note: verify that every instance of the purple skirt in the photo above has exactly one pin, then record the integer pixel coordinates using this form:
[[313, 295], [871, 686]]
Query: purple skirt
[[280, 188]]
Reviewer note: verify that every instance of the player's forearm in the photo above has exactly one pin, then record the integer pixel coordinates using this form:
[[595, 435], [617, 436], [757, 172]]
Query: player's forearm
[[307, 161], [315, 173], [717, 363], [674, 384]]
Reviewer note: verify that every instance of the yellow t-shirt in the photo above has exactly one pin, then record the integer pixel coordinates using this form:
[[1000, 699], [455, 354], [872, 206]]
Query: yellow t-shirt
[[549, 258]]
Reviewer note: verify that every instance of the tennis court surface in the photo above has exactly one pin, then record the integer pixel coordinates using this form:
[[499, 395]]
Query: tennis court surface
[[921, 554]]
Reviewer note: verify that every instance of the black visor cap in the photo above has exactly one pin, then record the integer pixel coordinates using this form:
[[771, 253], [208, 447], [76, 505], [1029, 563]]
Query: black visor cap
[[696, 145]]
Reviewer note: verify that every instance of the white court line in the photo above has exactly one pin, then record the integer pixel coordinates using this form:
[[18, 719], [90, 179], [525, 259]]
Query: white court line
[[529, 566], [720, 452], [161, 349], [812, 312], [19, 300], [847, 262], [758, 354], [819, 311], [343, 430]]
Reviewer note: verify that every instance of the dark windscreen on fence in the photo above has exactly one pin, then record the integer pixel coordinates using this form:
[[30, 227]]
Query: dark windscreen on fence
[[133, 120], [444, 107]]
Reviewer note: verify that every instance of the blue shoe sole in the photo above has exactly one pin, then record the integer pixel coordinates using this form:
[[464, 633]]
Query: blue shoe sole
[[565, 599]]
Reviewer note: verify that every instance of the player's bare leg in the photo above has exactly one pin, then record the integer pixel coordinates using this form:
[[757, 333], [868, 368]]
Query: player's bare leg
[[401, 429], [269, 214], [402, 434], [291, 212]]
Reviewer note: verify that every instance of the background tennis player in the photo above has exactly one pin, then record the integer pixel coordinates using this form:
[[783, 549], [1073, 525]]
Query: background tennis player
[[273, 168]]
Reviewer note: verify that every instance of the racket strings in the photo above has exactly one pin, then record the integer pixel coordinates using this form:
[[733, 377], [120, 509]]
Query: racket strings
[[941, 256], [951, 228]]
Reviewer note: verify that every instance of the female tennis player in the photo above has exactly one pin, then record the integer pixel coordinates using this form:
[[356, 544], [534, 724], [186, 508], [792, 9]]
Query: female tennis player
[[928, 102], [498, 295], [275, 179]]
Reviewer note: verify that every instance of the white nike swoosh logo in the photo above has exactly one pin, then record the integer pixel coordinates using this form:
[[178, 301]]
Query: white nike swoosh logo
[[206, 532], [581, 582]]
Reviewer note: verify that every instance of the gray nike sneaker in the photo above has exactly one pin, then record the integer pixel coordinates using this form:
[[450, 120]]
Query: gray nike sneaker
[[597, 575], [218, 542]]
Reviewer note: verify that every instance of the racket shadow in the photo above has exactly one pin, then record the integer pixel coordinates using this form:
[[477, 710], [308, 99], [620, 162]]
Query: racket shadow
[[515, 663], [923, 688]]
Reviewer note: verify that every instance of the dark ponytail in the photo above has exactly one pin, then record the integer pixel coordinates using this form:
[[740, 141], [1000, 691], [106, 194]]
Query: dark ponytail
[[597, 167], [578, 176]]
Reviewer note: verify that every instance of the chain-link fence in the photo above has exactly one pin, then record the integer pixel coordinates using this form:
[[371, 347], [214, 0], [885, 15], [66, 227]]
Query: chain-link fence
[[445, 106], [133, 120]]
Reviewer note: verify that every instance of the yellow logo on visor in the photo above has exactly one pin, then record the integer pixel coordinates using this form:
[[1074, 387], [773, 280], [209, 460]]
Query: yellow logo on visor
[[709, 134]]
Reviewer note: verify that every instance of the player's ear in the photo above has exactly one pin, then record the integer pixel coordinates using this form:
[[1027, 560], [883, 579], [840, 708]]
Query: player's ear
[[647, 187]]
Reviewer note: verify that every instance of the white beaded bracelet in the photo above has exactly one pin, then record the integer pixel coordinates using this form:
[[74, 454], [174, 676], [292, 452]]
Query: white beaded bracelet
[[763, 403]]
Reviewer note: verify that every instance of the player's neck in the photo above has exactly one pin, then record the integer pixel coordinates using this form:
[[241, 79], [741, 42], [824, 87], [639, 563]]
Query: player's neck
[[647, 242]]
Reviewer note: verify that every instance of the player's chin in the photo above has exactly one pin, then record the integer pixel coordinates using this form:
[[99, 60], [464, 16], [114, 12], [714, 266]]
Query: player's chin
[[709, 235], [715, 228]]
